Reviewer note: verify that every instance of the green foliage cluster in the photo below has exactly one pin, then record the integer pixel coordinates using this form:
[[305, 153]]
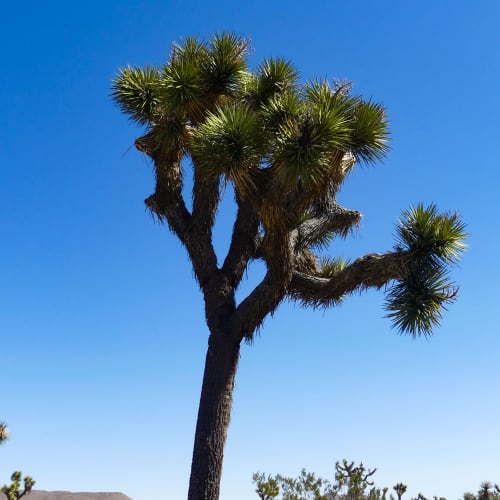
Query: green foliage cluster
[[352, 482], [207, 103], [416, 302]]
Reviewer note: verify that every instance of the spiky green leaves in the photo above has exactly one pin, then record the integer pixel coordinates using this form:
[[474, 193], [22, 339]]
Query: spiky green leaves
[[199, 73], [196, 77], [225, 67], [329, 266], [312, 141], [370, 131], [368, 126], [182, 85], [439, 236], [434, 241], [305, 131], [416, 302], [135, 90], [310, 148], [228, 143], [273, 76]]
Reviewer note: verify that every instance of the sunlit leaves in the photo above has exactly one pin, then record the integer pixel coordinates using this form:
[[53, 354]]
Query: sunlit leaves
[[305, 148], [319, 94], [440, 236], [273, 76], [329, 266], [183, 87], [282, 107], [135, 90], [225, 66], [370, 131], [366, 128], [229, 143], [197, 74], [416, 301], [330, 125], [189, 49]]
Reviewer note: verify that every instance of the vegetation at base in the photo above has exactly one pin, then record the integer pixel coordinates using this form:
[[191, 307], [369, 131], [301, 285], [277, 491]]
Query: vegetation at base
[[352, 482]]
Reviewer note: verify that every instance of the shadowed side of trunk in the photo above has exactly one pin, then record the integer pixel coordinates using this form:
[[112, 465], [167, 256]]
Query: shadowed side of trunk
[[213, 417]]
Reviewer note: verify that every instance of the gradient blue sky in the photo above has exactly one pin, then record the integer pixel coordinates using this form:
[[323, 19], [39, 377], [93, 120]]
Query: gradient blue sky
[[102, 329]]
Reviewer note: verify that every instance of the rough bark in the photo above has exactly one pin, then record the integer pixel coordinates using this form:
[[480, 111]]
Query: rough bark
[[213, 416], [369, 271]]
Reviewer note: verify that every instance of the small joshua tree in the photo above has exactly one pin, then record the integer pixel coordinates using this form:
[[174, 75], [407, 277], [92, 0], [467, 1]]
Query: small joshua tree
[[400, 489], [13, 491], [267, 487]]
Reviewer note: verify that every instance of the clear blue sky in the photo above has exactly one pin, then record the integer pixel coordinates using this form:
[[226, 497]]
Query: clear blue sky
[[102, 329]]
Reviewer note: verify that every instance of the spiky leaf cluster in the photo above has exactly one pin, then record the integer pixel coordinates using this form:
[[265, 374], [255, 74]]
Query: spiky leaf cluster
[[274, 76], [416, 301], [14, 491], [330, 266], [228, 143], [440, 237], [206, 88], [136, 93]]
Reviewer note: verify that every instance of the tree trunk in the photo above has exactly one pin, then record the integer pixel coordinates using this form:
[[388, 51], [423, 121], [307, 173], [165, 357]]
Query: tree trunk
[[213, 417]]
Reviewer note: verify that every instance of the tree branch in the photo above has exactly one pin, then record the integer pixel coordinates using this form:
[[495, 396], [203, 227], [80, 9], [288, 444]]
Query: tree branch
[[369, 271], [206, 195], [333, 218], [268, 294], [243, 243], [167, 203], [263, 300]]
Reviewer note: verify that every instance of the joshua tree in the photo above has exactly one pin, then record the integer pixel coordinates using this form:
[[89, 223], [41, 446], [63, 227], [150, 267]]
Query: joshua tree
[[285, 148], [355, 479], [400, 489], [267, 487], [14, 492]]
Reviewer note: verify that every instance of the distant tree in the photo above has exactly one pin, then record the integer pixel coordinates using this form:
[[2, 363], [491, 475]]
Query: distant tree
[[14, 491], [400, 489], [285, 148], [487, 491], [421, 497], [352, 482], [305, 487], [267, 487], [353, 479]]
